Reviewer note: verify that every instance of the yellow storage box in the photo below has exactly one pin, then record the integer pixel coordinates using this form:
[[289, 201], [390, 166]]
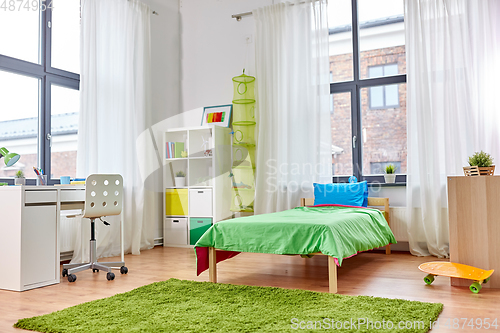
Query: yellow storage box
[[176, 202]]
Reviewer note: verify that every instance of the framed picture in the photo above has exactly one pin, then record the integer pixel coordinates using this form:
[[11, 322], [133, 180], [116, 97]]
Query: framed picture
[[217, 115]]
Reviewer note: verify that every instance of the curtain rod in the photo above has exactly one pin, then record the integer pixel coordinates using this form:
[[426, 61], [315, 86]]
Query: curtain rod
[[239, 16]]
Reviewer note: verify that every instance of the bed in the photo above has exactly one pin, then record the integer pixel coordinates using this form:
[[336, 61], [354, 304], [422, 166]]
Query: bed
[[337, 231]]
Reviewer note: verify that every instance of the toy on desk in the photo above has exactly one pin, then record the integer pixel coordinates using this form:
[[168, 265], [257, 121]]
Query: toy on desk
[[450, 269], [77, 181], [65, 180]]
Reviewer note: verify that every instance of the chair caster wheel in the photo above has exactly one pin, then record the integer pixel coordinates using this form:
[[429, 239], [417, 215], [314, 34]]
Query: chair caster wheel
[[71, 277], [94, 270], [123, 270], [64, 272], [110, 276]]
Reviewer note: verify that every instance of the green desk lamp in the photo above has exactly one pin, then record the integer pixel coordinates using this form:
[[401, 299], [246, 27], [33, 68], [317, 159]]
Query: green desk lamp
[[9, 158]]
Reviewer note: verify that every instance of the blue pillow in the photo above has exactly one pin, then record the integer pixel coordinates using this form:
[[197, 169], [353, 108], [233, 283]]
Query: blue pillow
[[348, 194]]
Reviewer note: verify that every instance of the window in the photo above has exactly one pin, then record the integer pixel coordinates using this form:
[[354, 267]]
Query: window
[[39, 88], [368, 88], [20, 34], [19, 107], [379, 168], [65, 103], [66, 35], [383, 97]]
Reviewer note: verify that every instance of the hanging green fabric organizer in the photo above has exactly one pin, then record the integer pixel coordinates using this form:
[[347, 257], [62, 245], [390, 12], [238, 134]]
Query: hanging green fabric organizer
[[243, 89], [244, 114], [244, 144]]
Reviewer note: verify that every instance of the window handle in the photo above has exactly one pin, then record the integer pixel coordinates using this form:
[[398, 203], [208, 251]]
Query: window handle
[[354, 142], [49, 137]]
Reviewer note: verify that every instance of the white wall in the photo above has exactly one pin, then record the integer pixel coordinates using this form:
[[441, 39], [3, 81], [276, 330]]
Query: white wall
[[214, 48], [165, 58], [165, 70], [396, 194]]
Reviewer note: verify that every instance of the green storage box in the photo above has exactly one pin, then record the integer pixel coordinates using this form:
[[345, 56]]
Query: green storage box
[[197, 227]]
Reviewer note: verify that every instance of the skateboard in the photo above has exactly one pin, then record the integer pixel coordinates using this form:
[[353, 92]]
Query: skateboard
[[450, 269]]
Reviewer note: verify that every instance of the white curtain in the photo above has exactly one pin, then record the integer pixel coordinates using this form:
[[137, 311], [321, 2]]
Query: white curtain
[[452, 50], [114, 111], [294, 131]]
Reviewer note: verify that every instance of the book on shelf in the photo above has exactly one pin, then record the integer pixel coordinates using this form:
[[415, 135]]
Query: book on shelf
[[174, 149], [179, 148], [170, 150]]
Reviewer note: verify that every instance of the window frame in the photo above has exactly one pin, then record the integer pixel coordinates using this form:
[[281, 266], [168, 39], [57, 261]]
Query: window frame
[[47, 75], [385, 105], [354, 87]]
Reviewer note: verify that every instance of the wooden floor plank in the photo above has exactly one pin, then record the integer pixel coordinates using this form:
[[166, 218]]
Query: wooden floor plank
[[373, 274]]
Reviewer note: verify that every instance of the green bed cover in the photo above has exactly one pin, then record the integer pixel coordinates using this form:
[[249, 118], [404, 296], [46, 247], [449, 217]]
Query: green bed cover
[[337, 231]]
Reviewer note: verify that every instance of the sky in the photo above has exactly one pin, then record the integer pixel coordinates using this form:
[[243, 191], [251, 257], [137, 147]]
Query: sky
[[339, 11]]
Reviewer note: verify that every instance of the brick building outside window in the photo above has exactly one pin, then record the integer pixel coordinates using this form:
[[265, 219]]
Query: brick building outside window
[[382, 108]]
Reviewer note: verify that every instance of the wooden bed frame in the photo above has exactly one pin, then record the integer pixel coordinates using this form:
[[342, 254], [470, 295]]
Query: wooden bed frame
[[332, 267]]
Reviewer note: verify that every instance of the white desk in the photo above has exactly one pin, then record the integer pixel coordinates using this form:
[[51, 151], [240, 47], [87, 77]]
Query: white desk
[[29, 233]]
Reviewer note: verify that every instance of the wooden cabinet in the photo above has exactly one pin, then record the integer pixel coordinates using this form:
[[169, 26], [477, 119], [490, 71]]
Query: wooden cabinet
[[474, 221]]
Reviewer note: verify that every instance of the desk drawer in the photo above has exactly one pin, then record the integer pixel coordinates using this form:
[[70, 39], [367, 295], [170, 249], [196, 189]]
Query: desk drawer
[[72, 195], [33, 197]]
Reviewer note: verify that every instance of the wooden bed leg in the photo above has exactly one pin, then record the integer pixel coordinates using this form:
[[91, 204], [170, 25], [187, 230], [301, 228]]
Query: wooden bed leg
[[388, 249], [212, 265], [332, 275]]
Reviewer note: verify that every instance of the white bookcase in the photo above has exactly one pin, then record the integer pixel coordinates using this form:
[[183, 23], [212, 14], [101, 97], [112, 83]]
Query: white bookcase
[[206, 196]]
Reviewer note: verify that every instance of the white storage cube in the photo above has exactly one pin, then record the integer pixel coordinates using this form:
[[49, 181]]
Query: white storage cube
[[200, 202], [175, 231]]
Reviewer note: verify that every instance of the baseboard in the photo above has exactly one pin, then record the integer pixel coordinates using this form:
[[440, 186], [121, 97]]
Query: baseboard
[[66, 256]]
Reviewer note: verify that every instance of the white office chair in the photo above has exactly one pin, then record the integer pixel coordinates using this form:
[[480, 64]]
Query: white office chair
[[103, 197]]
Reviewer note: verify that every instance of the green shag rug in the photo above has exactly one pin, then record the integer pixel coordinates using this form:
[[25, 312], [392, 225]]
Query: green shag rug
[[188, 306]]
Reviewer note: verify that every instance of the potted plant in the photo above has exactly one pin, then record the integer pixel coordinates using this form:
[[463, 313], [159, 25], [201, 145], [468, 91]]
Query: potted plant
[[180, 179], [480, 164], [390, 175], [20, 180]]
